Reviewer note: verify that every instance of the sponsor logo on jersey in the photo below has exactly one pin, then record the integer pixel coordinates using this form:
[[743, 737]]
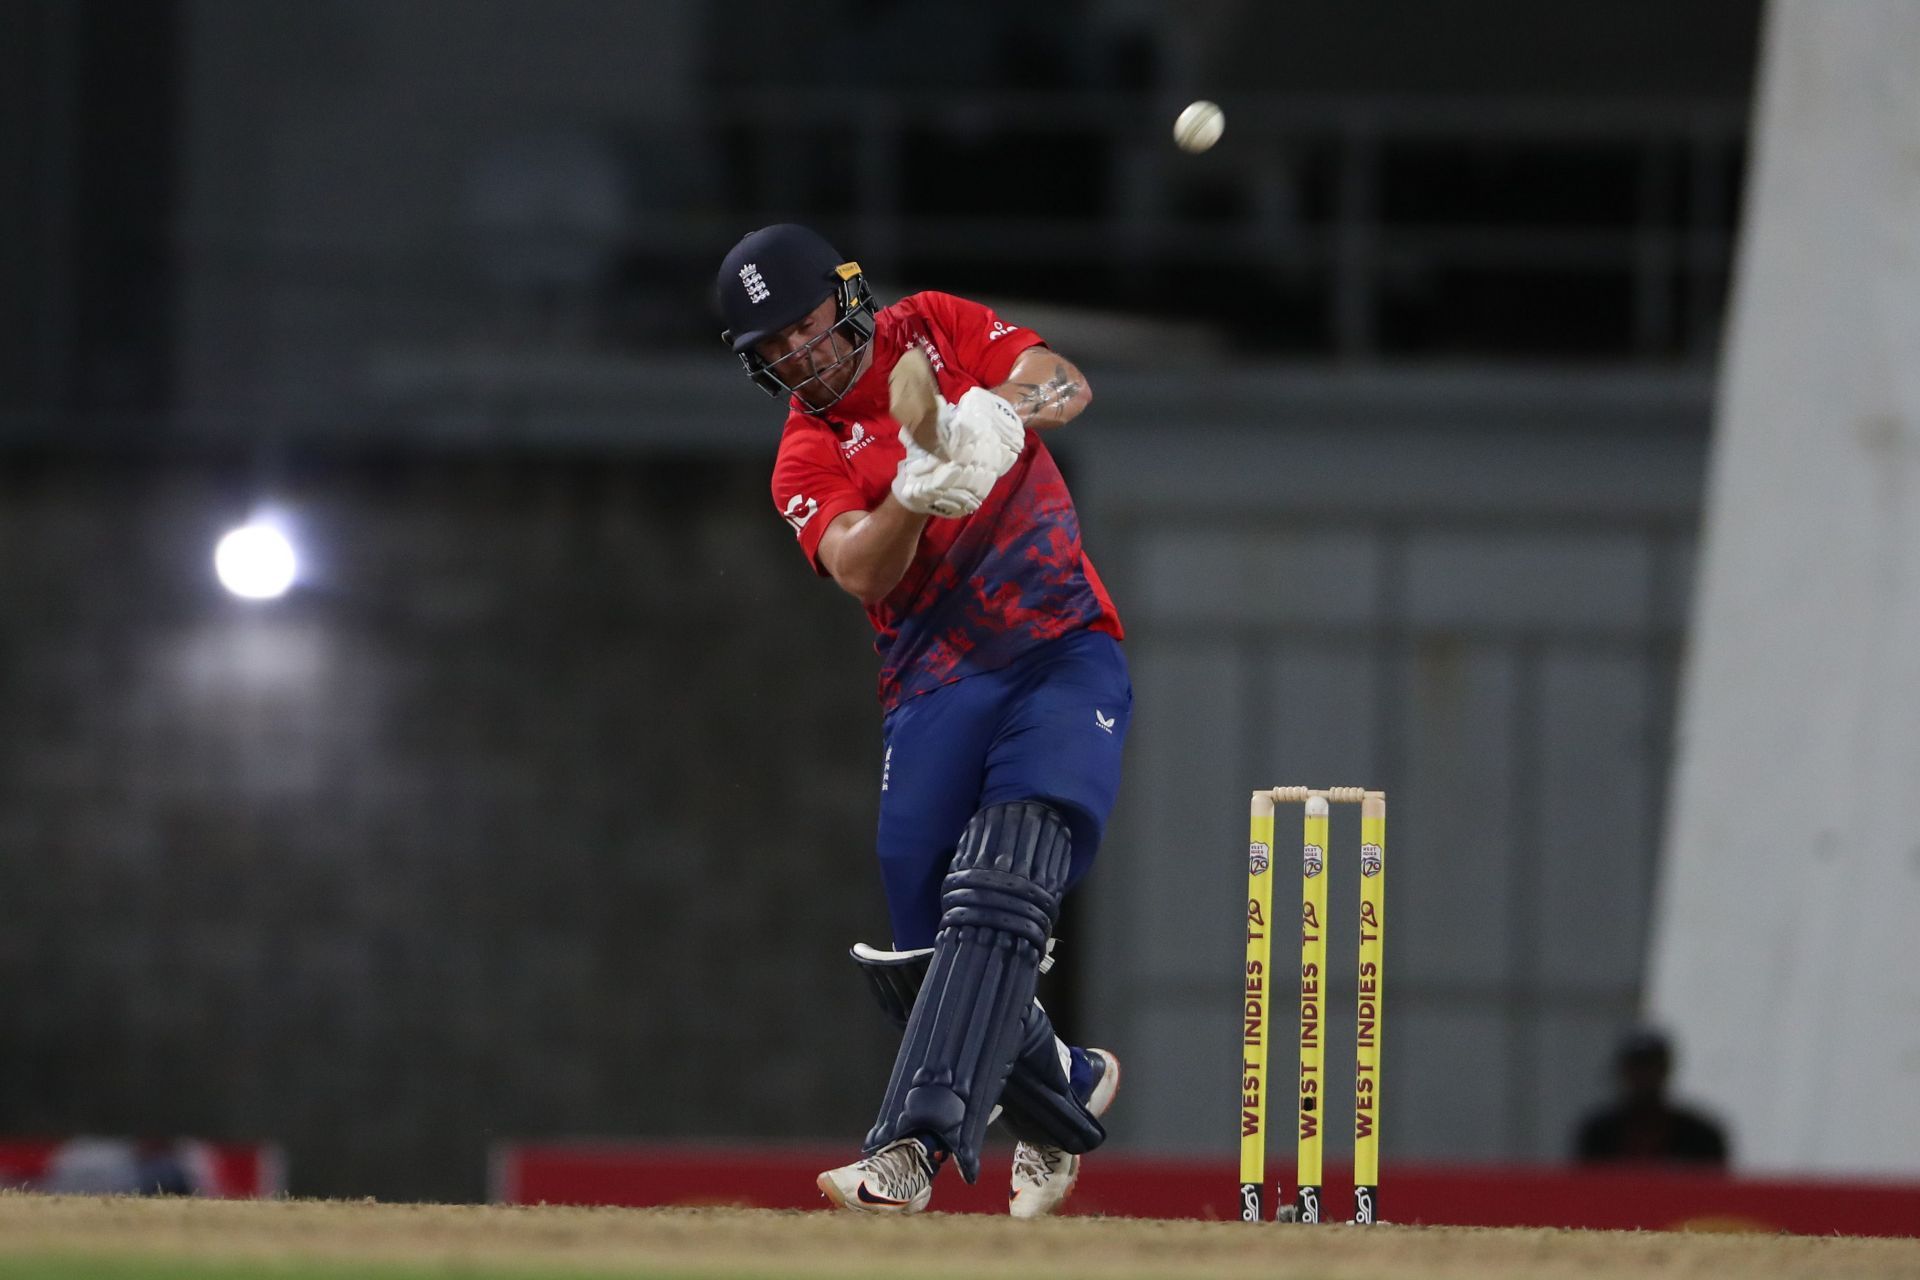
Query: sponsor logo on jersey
[[800, 509], [1000, 330], [856, 440]]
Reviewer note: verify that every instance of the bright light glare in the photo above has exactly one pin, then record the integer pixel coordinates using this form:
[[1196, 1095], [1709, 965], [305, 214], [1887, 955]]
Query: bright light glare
[[255, 562]]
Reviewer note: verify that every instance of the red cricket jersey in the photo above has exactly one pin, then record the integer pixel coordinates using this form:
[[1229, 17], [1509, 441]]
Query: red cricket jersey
[[983, 589]]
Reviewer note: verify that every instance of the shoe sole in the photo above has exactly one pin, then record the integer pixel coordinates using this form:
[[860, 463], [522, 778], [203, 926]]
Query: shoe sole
[[1073, 1180], [1103, 1096], [840, 1201]]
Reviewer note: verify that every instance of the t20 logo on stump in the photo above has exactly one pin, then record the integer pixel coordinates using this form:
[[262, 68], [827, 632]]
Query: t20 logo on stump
[[1313, 859], [1259, 858], [1371, 860]]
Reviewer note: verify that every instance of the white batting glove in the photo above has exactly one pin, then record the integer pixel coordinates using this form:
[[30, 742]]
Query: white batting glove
[[936, 486], [982, 428]]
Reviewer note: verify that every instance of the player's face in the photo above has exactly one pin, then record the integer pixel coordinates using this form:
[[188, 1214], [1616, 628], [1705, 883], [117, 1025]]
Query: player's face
[[811, 357]]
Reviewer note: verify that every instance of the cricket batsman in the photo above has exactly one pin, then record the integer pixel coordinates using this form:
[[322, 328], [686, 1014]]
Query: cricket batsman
[[1005, 695]]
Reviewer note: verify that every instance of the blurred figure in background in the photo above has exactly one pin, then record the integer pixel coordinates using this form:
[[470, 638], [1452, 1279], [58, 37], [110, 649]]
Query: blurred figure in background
[[1641, 1124], [1006, 693], [118, 1166]]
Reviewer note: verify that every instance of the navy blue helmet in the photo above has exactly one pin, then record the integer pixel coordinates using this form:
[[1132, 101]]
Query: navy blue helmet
[[773, 278]]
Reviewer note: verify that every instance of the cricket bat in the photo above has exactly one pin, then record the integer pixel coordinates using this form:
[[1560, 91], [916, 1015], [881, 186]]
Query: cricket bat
[[913, 396]]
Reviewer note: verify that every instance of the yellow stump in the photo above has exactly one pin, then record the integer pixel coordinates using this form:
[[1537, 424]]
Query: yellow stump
[[1368, 1008], [1313, 969], [1256, 1024]]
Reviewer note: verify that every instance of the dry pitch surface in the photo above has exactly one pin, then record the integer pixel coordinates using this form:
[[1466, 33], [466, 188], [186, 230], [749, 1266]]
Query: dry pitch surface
[[82, 1238]]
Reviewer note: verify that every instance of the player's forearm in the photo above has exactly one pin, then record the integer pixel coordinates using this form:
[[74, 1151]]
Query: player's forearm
[[1045, 389], [872, 555]]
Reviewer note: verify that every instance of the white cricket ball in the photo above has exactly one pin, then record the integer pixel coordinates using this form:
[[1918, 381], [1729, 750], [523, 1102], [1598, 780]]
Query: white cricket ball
[[1199, 126]]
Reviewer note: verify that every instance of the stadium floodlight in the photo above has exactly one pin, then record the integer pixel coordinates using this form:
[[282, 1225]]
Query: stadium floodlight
[[255, 561]]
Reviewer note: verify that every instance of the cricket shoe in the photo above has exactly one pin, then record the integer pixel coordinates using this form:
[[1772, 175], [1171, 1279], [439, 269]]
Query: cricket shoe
[[898, 1178], [1043, 1175]]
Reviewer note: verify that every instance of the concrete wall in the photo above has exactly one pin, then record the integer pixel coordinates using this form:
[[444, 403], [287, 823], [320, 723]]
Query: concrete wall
[[1484, 620], [546, 809]]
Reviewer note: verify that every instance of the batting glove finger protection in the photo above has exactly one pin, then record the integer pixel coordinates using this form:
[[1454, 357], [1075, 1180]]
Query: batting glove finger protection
[[931, 485], [986, 430]]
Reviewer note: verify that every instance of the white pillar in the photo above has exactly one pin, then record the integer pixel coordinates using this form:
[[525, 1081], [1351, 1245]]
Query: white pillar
[[1786, 948]]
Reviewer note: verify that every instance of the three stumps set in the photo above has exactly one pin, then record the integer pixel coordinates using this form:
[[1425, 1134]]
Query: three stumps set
[[1260, 992]]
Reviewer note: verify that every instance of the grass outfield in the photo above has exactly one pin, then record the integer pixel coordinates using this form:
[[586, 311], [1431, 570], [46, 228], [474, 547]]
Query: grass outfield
[[85, 1238]]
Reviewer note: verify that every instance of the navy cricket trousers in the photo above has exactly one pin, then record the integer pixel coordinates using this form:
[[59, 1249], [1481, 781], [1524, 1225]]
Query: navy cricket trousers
[[1049, 727]]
